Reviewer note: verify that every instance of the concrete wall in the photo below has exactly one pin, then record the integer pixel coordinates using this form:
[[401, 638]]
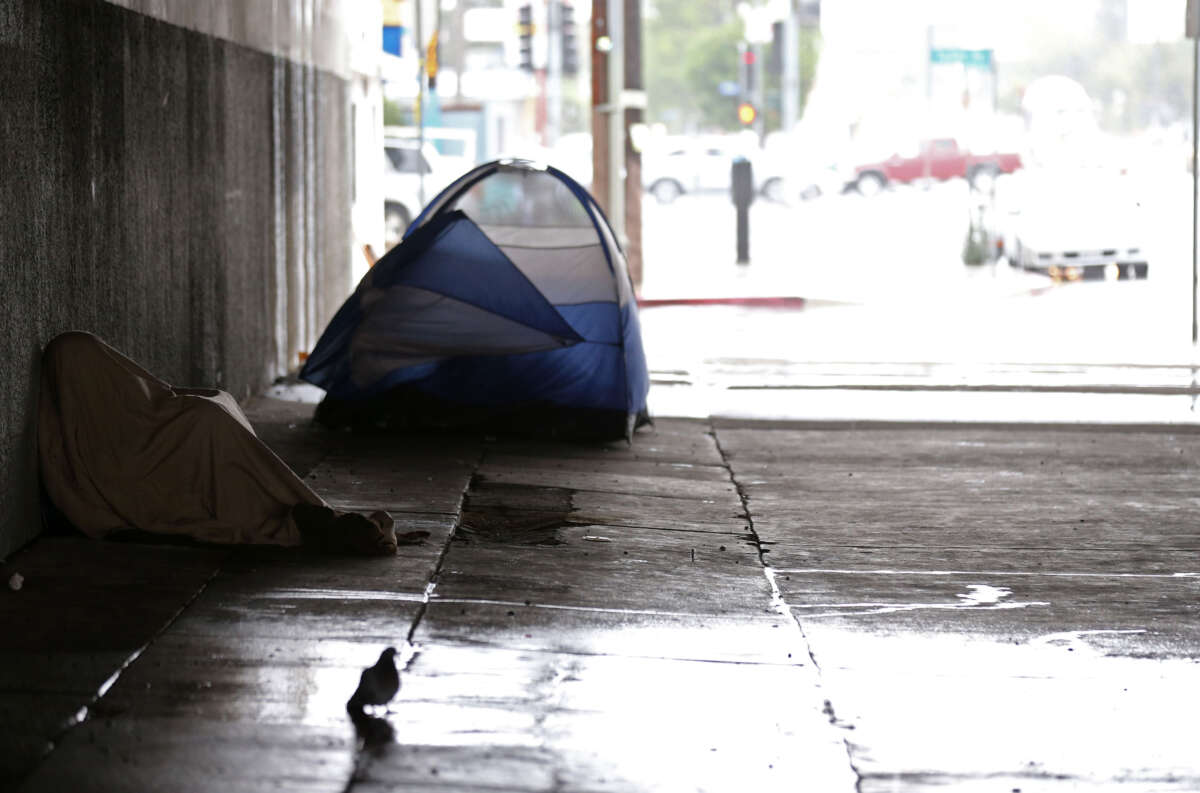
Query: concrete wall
[[184, 196]]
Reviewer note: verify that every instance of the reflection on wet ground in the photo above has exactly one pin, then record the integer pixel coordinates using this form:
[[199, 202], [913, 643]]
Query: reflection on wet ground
[[719, 607], [514, 514]]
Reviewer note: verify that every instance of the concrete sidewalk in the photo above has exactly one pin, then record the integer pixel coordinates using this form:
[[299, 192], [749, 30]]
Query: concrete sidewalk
[[722, 606]]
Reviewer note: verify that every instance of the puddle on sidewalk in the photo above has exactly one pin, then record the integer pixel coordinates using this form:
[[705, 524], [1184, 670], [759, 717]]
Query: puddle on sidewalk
[[515, 514], [983, 595]]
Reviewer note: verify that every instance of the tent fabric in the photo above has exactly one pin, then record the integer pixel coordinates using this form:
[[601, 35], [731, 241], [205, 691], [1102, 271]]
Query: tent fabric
[[403, 312], [509, 293], [121, 449]]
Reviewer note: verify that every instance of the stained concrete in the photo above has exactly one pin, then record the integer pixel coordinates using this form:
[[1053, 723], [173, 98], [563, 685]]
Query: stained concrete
[[727, 610], [184, 197]]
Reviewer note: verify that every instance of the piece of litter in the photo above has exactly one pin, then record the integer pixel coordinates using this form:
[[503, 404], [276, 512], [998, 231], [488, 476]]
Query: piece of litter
[[595, 538], [16, 582]]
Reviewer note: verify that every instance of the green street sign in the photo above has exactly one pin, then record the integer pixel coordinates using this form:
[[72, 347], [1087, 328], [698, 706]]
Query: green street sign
[[976, 59]]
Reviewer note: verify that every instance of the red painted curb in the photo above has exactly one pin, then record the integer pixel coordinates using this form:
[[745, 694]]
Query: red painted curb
[[758, 302]]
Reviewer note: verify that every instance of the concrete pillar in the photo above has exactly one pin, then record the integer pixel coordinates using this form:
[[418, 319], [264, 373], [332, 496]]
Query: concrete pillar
[[174, 182]]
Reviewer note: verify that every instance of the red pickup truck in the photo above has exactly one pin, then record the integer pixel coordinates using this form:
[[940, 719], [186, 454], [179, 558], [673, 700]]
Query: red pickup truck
[[940, 159]]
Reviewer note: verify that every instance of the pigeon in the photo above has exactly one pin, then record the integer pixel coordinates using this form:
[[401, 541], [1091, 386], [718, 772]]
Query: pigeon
[[378, 683]]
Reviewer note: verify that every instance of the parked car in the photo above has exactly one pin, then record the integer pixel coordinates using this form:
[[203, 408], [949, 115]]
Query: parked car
[[406, 164], [807, 179], [938, 158], [803, 167], [1075, 224], [679, 165]]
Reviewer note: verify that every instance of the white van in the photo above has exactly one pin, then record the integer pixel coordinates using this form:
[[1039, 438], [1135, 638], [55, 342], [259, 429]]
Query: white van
[[415, 172]]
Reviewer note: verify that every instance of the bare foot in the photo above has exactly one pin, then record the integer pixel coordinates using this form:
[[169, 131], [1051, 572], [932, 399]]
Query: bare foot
[[385, 523], [314, 522], [359, 534], [327, 531]]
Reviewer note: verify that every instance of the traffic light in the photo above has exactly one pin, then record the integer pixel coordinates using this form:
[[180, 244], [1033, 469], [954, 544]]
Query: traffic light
[[431, 61], [775, 58], [747, 113], [749, 70], [570, 43], [525, 35]]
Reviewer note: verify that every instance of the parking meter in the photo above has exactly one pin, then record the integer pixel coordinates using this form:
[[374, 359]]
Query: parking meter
[[742, 191], [742, 182]]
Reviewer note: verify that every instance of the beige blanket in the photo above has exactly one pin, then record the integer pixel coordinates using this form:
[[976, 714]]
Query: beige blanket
[[119, 448]]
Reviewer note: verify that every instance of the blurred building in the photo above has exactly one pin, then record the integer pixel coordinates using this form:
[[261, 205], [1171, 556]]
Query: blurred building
[[481, 84], [876, 83]]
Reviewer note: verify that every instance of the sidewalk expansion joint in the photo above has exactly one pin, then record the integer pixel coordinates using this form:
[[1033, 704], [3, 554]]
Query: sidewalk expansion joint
[[431, 584], [778, 603], [363, 757]]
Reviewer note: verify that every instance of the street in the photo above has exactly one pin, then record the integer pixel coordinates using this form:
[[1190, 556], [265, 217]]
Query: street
[[889, 302]]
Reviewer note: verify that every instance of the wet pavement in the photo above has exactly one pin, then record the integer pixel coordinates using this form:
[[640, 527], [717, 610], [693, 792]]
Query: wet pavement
[[721, 606]]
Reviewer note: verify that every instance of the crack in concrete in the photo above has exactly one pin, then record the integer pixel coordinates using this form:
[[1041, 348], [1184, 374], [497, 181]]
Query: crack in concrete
[[363, 755], [1031, 574], [778, 602], [431, 585]]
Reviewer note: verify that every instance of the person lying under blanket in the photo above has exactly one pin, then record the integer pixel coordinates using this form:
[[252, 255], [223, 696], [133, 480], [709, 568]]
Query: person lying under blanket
[[119, 448]]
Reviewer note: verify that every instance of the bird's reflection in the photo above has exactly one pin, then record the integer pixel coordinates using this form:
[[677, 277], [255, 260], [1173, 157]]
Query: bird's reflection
[[374, 734]]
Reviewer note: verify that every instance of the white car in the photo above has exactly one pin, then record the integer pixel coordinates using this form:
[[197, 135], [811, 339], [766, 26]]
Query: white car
[[678, 165], [408, 164], [803, 167], [1075, 224], [810, 179]]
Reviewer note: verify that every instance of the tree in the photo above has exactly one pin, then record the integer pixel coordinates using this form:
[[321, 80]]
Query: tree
[[1133, 85], [691, 48]]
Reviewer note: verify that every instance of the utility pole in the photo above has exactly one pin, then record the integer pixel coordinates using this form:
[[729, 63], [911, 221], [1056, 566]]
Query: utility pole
[[1195, 171], [553, 72], [599, 56], [634, 104], [616, 118], [460, 49], [791, 69], [1192, 29], [760, 91], [418, 29], [925, 151], [758, 34], [608, 118]]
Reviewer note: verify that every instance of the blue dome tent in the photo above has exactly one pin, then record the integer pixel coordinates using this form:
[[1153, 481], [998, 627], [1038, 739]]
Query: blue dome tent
[[508, 305]]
